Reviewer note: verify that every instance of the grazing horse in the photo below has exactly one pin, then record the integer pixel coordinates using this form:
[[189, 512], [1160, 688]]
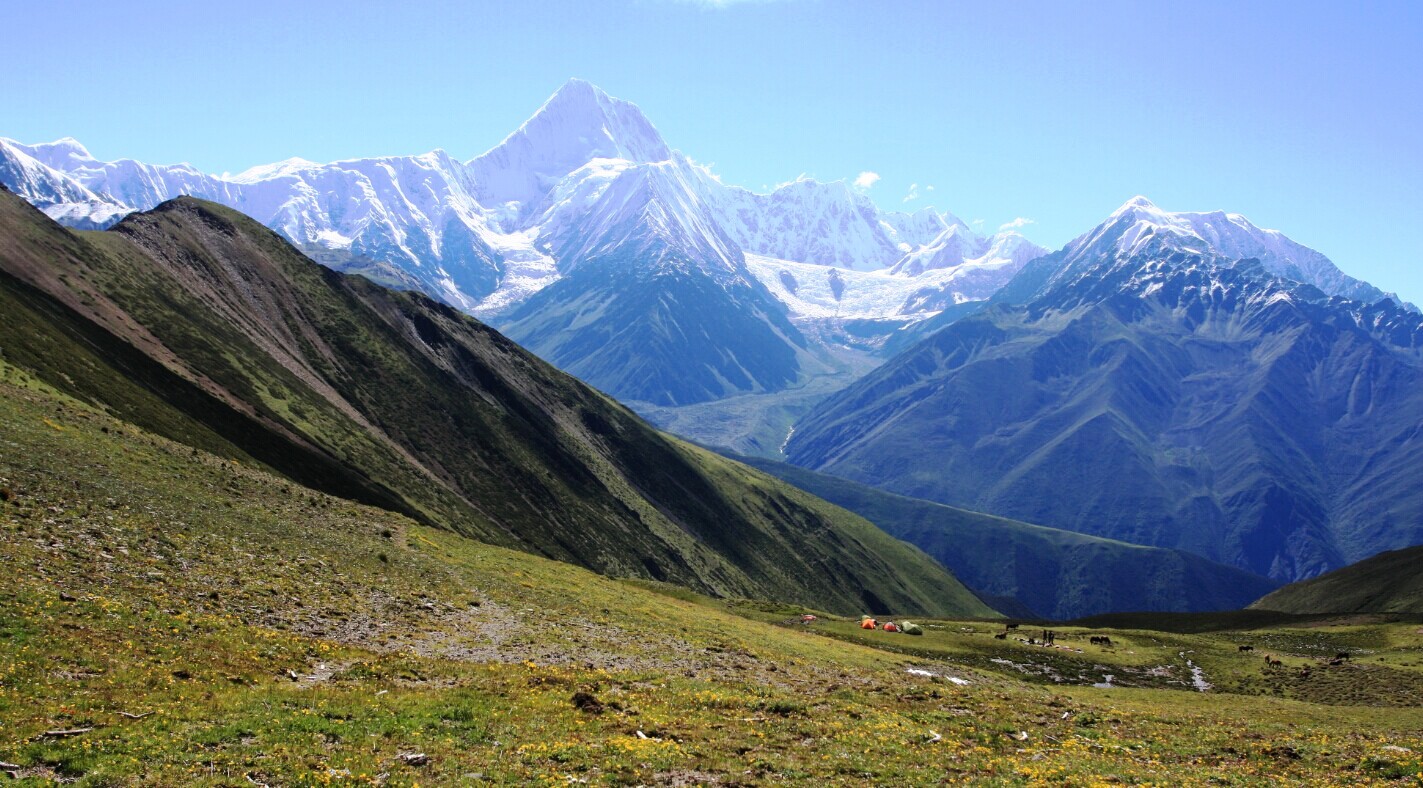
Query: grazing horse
[[1100, 640], [1001, 636], [1246, 648]]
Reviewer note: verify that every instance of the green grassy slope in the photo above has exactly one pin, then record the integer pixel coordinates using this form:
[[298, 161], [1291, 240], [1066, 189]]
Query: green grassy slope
[[184, 619], [196, 323], [1389, 582], [1036, 572]]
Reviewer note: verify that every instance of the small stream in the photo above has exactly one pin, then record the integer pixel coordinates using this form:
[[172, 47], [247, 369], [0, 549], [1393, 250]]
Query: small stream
[[1198, 676]]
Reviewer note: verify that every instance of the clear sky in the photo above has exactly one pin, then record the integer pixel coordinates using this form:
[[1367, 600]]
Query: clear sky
[[1306, 118]]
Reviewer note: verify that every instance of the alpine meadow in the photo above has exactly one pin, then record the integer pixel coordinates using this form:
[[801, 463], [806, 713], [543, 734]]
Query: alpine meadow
[[669, 434]]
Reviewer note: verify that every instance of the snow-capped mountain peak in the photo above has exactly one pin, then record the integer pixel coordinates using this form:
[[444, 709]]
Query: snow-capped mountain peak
[[59, 196], [611, 205], [62, 154], [1139, 227], [578, 123], [1138, 203], [913, 230], [951, 247], [263, 172]]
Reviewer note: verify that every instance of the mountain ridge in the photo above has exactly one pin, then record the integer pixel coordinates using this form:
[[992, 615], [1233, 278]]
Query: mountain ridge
[[485, 235], [394, 399], [1163, 396]]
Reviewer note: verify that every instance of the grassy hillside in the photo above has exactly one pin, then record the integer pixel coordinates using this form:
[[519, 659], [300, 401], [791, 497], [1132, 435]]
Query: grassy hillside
[[196, 323], [175, 617], [1035, 572], [1389, 582]]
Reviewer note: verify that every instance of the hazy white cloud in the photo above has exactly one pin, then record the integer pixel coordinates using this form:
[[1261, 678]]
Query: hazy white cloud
[[914, 192], [977, 223], [1021, 221], [865, 180]]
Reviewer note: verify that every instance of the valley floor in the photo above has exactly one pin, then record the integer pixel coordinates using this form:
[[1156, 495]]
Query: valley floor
[[756, 424], [171, 618]]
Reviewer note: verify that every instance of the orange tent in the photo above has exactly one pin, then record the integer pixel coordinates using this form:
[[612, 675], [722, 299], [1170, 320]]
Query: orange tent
[[890, 627], [869, 623]]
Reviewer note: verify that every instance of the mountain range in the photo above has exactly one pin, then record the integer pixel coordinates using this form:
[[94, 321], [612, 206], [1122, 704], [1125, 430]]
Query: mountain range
[[196, 323], [1184, 381], [663, 285], [1177, 380]]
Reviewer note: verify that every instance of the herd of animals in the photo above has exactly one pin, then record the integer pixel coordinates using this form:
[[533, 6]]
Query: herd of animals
[[1273, 662], [1048, 638]]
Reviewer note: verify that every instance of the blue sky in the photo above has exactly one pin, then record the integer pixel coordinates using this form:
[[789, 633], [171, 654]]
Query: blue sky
[[1303, 117]]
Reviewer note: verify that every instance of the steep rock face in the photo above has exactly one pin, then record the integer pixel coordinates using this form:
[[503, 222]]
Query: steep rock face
[[1160, 394], [198, 324]]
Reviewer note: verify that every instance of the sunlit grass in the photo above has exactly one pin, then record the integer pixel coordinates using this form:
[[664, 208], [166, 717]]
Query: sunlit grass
[[213, 625]]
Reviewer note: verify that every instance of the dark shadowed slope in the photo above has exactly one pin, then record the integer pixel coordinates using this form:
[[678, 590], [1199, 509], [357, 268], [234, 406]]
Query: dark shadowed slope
[[1390, 582], [1035, 571], [195, 322]]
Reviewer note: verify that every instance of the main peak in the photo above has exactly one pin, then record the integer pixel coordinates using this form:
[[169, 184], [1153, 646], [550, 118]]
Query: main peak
[[576, 89], [1137, 203], [578, 123]]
